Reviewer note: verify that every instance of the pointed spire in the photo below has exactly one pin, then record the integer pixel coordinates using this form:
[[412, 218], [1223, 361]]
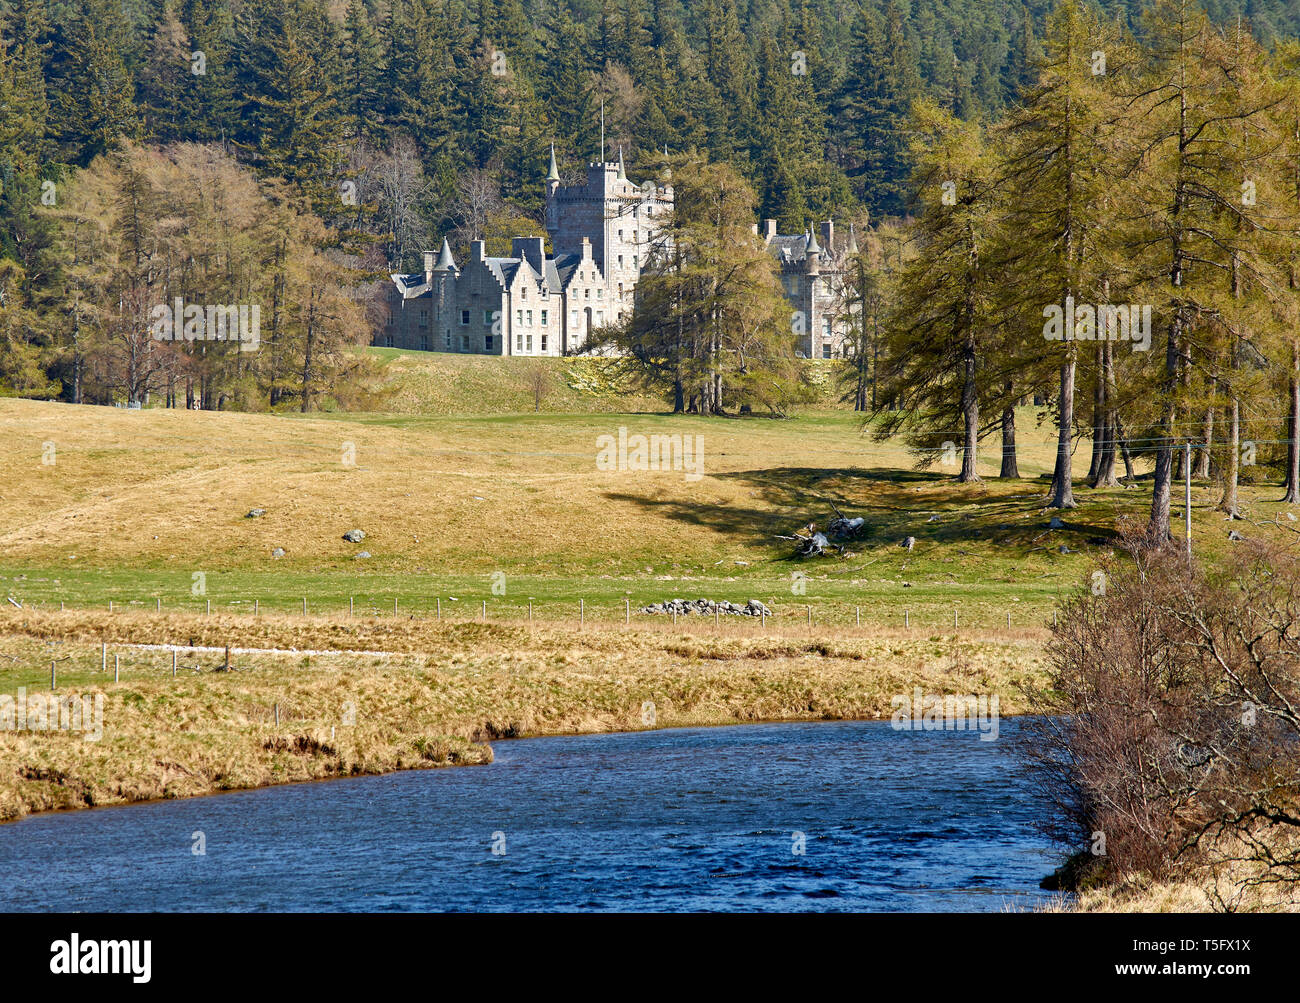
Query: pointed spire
[[445, 260], [622, 174], [813, 247], [853, 240], [554, 174]]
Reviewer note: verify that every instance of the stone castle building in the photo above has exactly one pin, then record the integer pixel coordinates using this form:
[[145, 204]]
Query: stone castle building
[[533, 303]]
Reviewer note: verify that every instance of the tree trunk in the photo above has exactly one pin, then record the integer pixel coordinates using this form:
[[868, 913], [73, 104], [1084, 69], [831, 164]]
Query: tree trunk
[[970, 414], [1292, 495], [1010, 468], [1062, 487], [1202, 470], [1158, 526], [1098, 414], [1228, 503]]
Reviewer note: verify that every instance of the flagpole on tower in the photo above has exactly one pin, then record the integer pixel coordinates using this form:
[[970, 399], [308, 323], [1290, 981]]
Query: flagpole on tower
[[602, 128]]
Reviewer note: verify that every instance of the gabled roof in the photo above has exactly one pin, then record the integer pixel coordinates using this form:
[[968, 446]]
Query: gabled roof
[[411, 286]]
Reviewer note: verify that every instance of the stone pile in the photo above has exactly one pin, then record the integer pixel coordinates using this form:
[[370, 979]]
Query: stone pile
[[704, 607]]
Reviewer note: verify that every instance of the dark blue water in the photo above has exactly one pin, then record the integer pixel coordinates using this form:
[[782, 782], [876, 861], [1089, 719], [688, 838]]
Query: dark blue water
[[691, 819]]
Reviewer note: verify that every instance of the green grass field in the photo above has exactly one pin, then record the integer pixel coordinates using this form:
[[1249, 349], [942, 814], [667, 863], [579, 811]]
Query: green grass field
[[141, 507]]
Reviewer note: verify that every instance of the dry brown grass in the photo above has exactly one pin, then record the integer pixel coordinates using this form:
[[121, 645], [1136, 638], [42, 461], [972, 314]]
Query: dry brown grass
[[449, 688]]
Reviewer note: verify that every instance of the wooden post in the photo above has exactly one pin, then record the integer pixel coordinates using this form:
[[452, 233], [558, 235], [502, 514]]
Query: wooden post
[[674, 616], [439, 608], [582, 612], [209, 611], [103, 658], [60, 605], [485, 611], [256, 604], [394, 605], [157, 605], [116, 668], [110, 605], [954, 619], [304, 605], [716, 615], [627, 610], [907, 619], [173, 663], [858, 610], [1008, 621], [277, 715], [350, 606], [53, 678], [530, 609], [809, 609], [227, 658], [763, 617]]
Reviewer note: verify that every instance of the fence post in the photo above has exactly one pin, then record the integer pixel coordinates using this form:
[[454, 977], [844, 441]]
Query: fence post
[[716, 620], [530, 609], [350, 600], [394, 605], [173, 663], [110, 605], [582, 612], [763, 615], [1008, 621], [157, 604], [627, 610], [103, 658], [674, 616], [809, 609], [60, 605], [209, 609], [858, 610], [439, 607], [116, 667], [256, 604], [907, 619], [277, 715], [485, 611], [954, 619], [304, 605], [53, 679]]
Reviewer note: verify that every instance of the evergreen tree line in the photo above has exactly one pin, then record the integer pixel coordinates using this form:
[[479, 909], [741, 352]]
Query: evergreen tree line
[[1122, 247]]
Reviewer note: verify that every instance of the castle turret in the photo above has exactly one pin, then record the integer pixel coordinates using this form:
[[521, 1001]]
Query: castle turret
[[446, 263], [812, 259]]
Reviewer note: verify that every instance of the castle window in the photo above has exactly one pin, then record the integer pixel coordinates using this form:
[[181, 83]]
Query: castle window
[[487, 317], [543, 318], [620, 261], [519, 316], [600, 294], [446, 340], [424, 342], [528, 343], [523, 293], [620, 234], [543, 343], [634, 264], [529, 321], [573, 318], [826, 351], [586, 294], [464, 317], [519, 342], [464, 342], [487, 342]]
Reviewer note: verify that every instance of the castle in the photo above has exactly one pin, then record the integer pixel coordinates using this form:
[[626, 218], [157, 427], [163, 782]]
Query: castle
[[532, 303]]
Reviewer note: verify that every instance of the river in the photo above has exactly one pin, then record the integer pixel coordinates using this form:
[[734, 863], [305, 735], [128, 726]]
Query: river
[[789, 817]]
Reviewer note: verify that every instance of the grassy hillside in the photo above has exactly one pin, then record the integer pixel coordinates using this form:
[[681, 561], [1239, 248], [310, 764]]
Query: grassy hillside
[[437, 383], [139, 506]]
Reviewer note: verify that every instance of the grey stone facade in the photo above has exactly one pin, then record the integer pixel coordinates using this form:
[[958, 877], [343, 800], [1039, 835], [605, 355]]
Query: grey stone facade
[[535, 304]]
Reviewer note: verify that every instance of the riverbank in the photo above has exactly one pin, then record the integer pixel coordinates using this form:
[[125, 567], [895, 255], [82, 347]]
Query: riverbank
[[384, 694]]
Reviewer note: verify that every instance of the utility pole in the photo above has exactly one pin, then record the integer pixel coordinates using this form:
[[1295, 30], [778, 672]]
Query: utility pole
[[1187, 498]]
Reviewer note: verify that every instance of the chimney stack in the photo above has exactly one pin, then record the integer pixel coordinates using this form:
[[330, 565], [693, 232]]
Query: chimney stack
[[769, 230], [428, 266], [478, 250]]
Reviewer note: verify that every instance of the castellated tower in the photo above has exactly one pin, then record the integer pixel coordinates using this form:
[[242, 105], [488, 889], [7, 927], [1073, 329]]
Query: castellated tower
[[619, 218]]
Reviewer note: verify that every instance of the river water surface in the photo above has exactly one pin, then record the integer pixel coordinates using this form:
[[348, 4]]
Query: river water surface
[[688, 819]]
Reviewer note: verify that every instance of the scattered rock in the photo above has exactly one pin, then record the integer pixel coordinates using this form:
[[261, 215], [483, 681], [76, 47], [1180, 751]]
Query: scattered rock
[[278, 552], [255, 513], [1234, 536], [1056, 523], [933, 518], [909, 543], [361, 556], [354, 536], [1063, 549], [684, 607]]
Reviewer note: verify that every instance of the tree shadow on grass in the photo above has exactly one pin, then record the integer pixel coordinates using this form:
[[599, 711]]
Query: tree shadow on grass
[[887, 499]]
